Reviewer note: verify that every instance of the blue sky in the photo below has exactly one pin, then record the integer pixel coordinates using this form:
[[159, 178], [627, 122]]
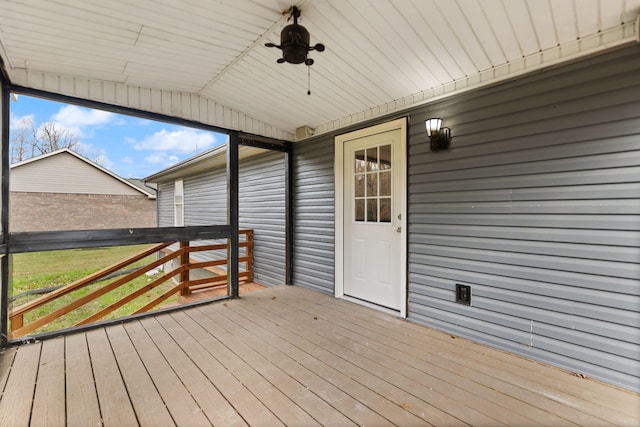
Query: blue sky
[[129, 146]]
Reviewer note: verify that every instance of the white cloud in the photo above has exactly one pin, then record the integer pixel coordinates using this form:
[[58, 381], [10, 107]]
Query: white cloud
[[72, 115], [80, 121], [163, 159], [156, 158], [16, 121], [180, 141], [127, 160]]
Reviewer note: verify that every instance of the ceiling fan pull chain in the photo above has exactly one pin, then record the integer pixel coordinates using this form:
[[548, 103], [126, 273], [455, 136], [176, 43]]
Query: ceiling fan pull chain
[[308, 79]]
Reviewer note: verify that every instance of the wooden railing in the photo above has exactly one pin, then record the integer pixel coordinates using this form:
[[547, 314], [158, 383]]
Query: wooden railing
[[185, 285]]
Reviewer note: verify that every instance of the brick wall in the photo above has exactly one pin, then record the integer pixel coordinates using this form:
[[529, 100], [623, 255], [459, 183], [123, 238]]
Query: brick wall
[[57, 211]]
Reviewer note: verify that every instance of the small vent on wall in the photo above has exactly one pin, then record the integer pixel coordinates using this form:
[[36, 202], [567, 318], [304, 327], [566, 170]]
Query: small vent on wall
[[304, 132], [463, 294]]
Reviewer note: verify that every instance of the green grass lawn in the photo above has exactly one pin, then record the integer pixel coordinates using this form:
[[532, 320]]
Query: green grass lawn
[[53, 268]]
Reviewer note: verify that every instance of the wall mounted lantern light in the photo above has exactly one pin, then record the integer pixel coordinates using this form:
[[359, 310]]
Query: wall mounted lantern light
[[440, 138]]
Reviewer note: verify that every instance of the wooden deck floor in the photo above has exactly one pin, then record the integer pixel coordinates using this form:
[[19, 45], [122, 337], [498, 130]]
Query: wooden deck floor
[[290, 356], [243, 288]]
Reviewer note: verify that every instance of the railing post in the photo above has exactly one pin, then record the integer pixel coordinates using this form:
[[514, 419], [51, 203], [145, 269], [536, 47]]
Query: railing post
[[16, 323], [184, 262], [249, 254]]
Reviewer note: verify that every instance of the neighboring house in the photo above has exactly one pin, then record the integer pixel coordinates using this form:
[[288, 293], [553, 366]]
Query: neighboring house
[[194, 192], [63, 190]]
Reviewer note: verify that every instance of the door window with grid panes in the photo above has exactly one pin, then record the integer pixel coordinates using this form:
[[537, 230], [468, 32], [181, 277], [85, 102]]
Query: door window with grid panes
[[372, 184]]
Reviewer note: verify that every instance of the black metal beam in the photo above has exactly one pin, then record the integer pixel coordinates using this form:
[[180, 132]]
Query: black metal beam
[[5, 162], [289, 216], [263, 142], [245, 138], [4, 212], [73, 239], [52, 96], [233, 219]]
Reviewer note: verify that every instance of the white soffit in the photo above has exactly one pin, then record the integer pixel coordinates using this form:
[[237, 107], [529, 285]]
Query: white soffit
[[206, 61]]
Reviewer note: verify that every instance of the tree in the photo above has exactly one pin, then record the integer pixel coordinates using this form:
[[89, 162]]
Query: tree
[[29, 141]]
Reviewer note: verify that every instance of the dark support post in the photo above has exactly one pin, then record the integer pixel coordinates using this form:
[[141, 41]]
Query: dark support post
[[232, 213], [288, 157], [4, 214], [184, 262]]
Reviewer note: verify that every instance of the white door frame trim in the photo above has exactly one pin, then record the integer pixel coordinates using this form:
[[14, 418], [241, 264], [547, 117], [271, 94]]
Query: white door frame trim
[[398, 124]]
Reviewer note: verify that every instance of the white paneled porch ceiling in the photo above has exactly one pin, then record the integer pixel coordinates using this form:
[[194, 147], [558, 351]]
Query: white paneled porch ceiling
[[205, 60]]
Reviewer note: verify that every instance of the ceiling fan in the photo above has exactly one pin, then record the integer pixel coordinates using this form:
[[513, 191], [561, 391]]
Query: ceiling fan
[[294, 42]]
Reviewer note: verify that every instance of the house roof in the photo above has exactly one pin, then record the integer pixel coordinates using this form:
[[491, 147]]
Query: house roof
[[65, 151], [141, 184], [206, 60]]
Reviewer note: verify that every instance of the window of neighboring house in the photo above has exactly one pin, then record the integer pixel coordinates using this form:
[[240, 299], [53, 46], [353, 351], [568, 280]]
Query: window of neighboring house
[[178, 198]]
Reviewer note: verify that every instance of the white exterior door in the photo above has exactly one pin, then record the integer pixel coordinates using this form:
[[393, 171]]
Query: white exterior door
[[372, 216]]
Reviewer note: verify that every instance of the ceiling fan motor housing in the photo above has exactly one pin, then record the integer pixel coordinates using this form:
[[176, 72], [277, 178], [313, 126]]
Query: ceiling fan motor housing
[[294, 40]]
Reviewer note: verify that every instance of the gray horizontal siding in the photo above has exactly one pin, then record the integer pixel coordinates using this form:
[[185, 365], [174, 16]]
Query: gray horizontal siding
[[205, 198], [595, 237], [165, 204], [314, 236], [537, 207], [261, 208], [205, 203]]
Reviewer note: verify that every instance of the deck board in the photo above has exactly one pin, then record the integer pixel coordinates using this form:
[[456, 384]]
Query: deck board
[[147, 402], [289, 376], [212, 403], [17, 398], [444, 373], [291, 356], [194, 343], [115, 406], [82, 404], [377, 375], [49, 399], [320, 360], [498, 370], [6, 360], [272, 382], [179, 402]]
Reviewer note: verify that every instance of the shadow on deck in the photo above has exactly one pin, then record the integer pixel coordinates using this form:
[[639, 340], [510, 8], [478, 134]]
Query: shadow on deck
[[290, 356]]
